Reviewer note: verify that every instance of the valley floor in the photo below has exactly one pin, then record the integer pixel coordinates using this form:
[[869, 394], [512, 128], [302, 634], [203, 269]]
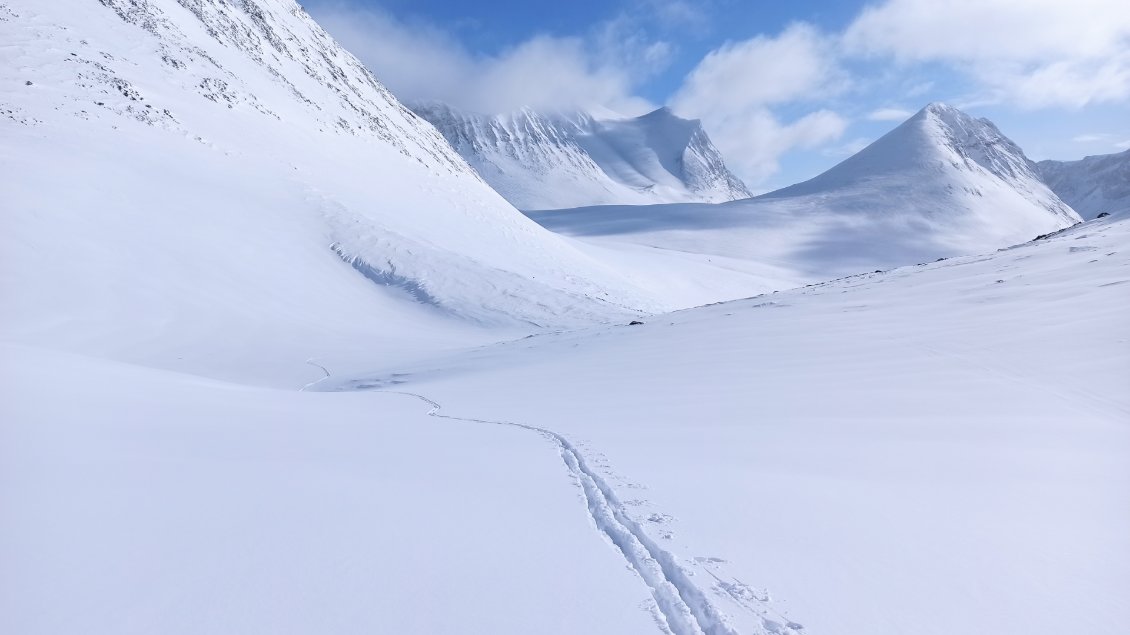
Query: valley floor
[[934, 450]]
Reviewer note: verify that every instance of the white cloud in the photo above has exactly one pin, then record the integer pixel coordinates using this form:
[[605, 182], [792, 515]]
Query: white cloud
[[1034, 53], [734, 86], [420, 62], [1071, 83], [889, 114], [754, 141], [797, 64], [1123, 145]]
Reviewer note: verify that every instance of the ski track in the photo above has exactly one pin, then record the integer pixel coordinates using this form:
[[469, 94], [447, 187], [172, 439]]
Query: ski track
[[683, 607]]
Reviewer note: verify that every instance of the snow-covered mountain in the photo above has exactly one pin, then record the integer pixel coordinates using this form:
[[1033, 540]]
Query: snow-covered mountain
[[947, 168], [197, 179], [1092, 185], [543, 160], [940, 184]]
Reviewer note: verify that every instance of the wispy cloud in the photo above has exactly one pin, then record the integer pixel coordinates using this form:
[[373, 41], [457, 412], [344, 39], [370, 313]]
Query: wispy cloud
[[1091, 138], [734, 87], [419, 61], [889, 114], [1055, 53]]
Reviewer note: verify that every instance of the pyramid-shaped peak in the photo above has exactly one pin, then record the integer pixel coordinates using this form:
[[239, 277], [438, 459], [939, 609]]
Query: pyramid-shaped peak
[[940, 107], [663, 112], [939, 148]]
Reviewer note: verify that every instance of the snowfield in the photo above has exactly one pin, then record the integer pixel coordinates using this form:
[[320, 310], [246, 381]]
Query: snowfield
[[274, 358], [937, 449], [143, 501]]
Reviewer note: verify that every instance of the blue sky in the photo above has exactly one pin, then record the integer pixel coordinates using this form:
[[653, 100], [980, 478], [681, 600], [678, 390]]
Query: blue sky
[[785, 89]]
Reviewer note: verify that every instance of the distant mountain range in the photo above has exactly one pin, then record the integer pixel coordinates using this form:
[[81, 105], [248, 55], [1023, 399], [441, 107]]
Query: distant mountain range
[[541, 160], [940, 184], [1092, 185]]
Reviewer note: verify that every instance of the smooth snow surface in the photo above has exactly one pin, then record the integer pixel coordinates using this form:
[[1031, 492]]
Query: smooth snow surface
[[1092, 185], [553, 160], [274, 359], [937, 449], [142, 501]]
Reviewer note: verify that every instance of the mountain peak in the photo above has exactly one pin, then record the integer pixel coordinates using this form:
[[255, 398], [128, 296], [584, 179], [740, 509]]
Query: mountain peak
[[551, 160], [951, 155], [1092, 185], [940, 107]]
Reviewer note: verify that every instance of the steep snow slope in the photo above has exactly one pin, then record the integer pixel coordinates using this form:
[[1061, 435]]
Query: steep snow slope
[[937, 449], [202, 183], [940, 184], [553, 160], [1091, 185]]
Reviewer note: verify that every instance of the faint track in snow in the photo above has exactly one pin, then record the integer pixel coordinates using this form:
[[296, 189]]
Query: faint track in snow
[[683, 606], [318, 380]]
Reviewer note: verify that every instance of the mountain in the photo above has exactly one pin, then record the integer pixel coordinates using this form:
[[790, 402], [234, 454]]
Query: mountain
[[198, 183], [556, 160], [940, 184], [954, 168], [1091, 185]]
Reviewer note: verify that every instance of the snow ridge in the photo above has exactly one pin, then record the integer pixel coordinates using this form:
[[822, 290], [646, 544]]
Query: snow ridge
[[683, 607], [546, 160]]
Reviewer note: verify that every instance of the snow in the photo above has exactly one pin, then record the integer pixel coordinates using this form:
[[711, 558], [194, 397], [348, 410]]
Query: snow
[[1092, 185], [143, 501], [936, 449], [249, 204], [547, 160], [939, 185], [273, 358]]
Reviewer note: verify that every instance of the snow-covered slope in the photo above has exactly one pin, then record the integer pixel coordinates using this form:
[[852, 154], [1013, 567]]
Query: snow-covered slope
[[1092, 185], [949, 170], [940, 184], [550, 160], [197, 183], [938, 449]]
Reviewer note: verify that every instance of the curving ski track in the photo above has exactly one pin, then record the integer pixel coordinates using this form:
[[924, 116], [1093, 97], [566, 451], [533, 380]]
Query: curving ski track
[[683, 606]]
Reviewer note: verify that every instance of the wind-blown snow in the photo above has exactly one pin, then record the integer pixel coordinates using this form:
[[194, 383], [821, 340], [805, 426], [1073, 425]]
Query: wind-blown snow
[[1092, 185], [553, 160]]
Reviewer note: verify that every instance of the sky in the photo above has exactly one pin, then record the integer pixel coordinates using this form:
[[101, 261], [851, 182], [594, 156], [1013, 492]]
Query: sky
[[784, 89]]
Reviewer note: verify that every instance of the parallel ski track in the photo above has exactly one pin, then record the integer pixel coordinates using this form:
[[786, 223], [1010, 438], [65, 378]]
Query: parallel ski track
[[683, 606]]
